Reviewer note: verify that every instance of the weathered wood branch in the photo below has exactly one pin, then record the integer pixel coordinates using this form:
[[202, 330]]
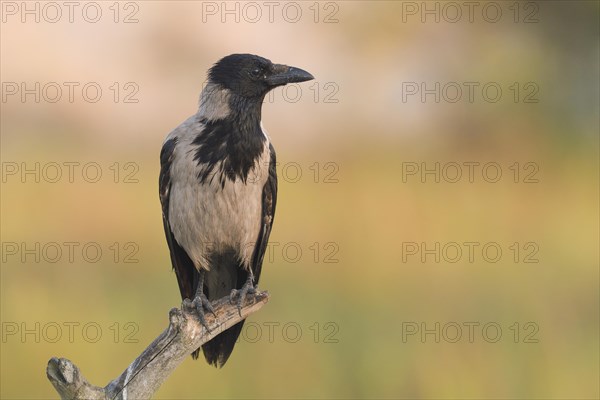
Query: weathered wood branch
[[147, 372]]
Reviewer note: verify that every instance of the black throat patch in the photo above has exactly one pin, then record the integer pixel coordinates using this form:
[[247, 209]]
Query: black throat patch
[[228, 148]]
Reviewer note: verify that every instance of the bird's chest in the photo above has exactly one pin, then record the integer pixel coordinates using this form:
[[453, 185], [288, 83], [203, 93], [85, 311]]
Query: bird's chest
[[216, 214]]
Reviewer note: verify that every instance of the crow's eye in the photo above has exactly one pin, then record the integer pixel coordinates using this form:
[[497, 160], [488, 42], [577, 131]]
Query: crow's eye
[[256, 72]]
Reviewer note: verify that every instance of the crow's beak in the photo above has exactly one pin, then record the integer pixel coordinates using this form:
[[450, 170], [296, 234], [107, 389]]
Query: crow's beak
[[283, 74]]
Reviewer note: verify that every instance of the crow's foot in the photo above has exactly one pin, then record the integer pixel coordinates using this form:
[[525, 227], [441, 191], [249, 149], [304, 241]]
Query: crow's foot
[[241, 294], [200, 304]]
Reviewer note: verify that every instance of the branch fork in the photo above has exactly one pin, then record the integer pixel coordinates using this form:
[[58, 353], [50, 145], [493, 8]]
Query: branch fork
[[150, 369]]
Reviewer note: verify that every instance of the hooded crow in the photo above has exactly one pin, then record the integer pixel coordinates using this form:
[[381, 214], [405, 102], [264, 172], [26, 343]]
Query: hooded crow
[[218, 189]]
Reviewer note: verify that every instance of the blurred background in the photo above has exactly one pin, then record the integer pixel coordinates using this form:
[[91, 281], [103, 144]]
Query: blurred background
[[437, 224]]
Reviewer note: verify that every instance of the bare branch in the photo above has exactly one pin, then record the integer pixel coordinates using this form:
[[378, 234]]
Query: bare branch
[[147, 372]]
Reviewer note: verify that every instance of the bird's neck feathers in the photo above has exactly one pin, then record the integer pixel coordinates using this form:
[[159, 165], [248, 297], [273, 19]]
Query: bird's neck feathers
[[232, 133], [214, 102], [217, 102], [242, 114]]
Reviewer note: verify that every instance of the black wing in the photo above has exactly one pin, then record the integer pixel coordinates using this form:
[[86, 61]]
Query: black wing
[[187, 275], [269, 201]]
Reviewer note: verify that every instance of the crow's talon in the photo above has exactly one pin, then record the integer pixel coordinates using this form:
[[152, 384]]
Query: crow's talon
[[203, 303], [199, 305], [248, 288]]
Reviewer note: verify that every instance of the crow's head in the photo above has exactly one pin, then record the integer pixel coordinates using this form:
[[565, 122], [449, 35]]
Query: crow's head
[[252, 76]]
